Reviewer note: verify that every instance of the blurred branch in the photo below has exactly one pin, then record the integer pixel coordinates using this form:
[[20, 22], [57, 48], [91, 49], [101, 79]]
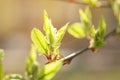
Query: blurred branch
[[100, 4], [69, 58]]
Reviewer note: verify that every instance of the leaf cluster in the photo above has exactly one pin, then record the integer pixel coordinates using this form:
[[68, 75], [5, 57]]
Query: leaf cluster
[[85, 28]]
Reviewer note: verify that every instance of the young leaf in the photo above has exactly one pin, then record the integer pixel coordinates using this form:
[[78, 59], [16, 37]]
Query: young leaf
[[49, 29], [88, 13], [33, 54], [14, 77], [84, 17], [39, 40], [1, 69], [97, 39], [61, 33], [77, 30], [93, 3], [92, 31], [116, 7], [101, 28], [49, 70], [32, 65]]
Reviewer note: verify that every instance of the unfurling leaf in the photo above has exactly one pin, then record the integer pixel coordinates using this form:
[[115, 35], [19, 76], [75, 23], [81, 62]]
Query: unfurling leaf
[[84, 17], [39, 40], [59, 36], [101, 28], [32, 65], [97, 38], [33, 53], [49, 29], [49, 70], [92, 31], [88, 13], [82, 29], [49, 43], [77, 30]]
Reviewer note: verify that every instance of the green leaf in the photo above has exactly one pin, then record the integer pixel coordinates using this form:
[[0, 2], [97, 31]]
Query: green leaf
[[98, 35], [93, 31], [32, 65], [93, 2], [99, 43], [84, 17], [14, 77], [33, 54], [32, 70], [49, 29], [102, 28], [77, 30], [39, 40], [116, 6], [49, 70], [61, 33], [1, 67], [88, 13]]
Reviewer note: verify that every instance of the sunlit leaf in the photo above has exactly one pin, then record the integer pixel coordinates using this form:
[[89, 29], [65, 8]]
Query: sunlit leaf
[[14, 77], [33, 54], [116, 6], [88, 13], [83, 17], [102, 28], [77, 30], [32, 65], [49, 29], [97, 39], [93, 2], [39, 40], [61, 33], [92, 31], [49, 70], [86, 19]]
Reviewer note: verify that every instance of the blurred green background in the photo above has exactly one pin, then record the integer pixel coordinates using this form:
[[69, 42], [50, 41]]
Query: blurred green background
[[18, 17]]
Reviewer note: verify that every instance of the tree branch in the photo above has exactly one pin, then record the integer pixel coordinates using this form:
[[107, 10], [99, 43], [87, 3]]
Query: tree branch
[[69, 58], [102, 4]]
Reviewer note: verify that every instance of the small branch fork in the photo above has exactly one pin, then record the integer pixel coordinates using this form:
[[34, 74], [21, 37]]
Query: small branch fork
[[100, 4], [69, 58]]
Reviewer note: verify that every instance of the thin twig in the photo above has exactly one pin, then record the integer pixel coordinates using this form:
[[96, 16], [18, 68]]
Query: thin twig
[[101, 4], [75, 54]]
